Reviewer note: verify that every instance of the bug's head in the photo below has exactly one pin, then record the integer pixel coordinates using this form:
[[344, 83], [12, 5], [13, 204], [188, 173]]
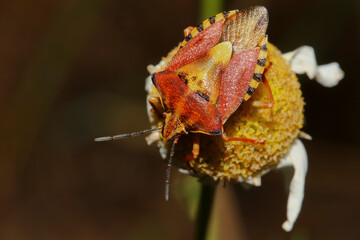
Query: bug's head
[[173, 127]]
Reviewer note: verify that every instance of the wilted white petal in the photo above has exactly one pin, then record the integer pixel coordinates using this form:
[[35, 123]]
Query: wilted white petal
[[302, 60], [297, 157], [162, 149], [184, 171], [329, 75], [153, 137], [252, 180], [148, 84]]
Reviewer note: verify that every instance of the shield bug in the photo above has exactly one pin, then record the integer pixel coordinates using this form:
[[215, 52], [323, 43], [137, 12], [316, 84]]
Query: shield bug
[[217, 67]]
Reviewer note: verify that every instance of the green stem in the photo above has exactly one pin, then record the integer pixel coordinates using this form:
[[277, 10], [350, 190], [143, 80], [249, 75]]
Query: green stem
[[204, 210], [209, 8]]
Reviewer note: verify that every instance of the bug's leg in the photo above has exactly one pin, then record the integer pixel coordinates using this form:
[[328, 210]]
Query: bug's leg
[[226, 138], [265, 104], [271, 102], [196, 146], [188, 30], [195, 150], [268, 86]]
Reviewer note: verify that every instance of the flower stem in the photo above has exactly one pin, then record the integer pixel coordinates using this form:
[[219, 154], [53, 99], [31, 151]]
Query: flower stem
[[209, 8], [204, 210]]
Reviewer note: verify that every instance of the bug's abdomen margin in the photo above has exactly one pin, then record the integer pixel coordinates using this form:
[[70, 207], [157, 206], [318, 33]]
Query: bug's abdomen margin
[[259, 69]]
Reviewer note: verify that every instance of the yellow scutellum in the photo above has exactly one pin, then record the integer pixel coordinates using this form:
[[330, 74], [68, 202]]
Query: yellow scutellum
[[278, 127]]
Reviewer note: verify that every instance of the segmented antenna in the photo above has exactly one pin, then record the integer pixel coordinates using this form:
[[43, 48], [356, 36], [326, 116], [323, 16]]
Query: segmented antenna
[[168, 170], [120, 136]]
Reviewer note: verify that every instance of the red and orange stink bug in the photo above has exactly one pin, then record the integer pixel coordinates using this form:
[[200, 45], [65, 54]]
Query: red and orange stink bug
[[218, 66]]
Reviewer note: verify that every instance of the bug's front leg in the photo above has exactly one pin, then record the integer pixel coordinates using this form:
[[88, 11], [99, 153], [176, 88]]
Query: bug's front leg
[[226, 138], [271, 103], [196, 146], [195, 152], [268, 86], [262, 104]]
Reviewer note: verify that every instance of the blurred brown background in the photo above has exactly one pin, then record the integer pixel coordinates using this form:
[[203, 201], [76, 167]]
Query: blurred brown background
[[73, 70]]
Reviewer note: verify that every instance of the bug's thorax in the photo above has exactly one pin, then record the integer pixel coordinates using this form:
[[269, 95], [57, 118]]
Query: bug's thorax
[[185, 109], [203, 76]]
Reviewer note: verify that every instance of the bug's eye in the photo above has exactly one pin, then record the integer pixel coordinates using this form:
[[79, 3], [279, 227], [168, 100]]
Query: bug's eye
[[153, 78]]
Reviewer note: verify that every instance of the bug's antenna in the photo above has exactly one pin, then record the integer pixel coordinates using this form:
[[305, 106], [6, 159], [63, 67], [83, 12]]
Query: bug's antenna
[[168, 170], [120, 136]]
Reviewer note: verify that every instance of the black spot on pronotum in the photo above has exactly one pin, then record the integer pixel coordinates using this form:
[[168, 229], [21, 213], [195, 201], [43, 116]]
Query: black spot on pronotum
[[184, 78], [203, 95], [264, 47], [257, 77], [261, 62], [212, 19], [250, 91], [188, 37], [243, 101], [200, 27]]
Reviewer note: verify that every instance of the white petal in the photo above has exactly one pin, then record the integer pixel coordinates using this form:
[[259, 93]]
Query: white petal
[[329, 75], [153, 137], [252, 180], [302, 60], [184, 171], [297, 158], [148, 84]]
